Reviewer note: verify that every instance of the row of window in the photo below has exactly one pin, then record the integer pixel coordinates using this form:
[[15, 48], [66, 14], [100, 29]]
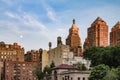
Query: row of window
[[7, 53], [67, 78]]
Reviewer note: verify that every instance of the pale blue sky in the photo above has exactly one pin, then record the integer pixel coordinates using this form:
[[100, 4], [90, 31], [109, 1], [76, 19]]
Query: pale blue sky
[[33, 23]]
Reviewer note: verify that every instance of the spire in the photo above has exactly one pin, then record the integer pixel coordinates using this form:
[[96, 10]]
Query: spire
[[117, 24], [73, 21], [98, 19], [74, 25]]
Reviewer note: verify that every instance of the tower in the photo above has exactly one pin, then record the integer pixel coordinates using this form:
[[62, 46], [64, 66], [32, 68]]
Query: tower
[[97, 33], [74, 41], [115, 35]]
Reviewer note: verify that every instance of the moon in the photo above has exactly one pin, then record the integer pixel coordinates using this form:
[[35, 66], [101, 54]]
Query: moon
[[21, 36]]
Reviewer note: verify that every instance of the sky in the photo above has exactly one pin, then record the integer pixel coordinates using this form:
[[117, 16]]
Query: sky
[[34, 23]]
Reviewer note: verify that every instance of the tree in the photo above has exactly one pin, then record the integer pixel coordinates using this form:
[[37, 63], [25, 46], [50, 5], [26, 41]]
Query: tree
[[37, 72], [45, 73], [112, 75], [118, 72], [99, 72], [103, 55], [46, 70], [52, 65]]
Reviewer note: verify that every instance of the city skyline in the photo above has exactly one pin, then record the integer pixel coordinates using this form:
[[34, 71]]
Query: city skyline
[[33, 24]]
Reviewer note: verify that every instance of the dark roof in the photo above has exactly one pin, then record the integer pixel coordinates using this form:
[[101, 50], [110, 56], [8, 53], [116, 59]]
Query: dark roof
[[64, 66]]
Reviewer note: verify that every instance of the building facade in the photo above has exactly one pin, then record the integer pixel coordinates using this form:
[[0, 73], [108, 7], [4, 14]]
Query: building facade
[[74, 41], [9, 52], [61, 54], [35, 56], [97, 34], [45, 61], [68, 72], [15, 70], [115, 35], [32, 56]]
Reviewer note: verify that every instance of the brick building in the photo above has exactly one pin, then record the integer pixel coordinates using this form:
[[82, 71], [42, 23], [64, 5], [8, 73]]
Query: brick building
[[11, 52], [15, 70], [34, 56], [97, 34], [115, 35], [74, 41]]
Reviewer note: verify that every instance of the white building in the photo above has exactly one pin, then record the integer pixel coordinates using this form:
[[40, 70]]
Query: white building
[[68, 72]]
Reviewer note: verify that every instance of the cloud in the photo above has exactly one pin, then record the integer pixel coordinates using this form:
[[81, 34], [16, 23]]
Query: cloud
[[27, 20], [9, 14], [51, 14], [10, 2], [49, 11]]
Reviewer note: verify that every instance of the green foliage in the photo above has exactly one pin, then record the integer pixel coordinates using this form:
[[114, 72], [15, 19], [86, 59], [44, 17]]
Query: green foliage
[[118, 72], [103, 55], [112, 75], [103, 72], [46, 71], [37, 72], [52, 65], [99, 72], [80, 66]]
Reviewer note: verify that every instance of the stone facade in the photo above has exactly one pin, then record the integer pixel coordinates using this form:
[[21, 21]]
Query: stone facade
[[74, 41], [59, 55], [68, 72], [45, 61], [115, 35], [97, 34]]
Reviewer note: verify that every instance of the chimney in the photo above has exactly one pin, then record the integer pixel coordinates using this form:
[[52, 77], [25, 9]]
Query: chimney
[[59, 42], [50, 45]]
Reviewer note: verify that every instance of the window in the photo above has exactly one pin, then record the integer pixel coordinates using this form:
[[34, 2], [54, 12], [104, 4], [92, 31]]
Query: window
[[2, 57], [83, 78], [78, 78], [23, 64], [62, 78]]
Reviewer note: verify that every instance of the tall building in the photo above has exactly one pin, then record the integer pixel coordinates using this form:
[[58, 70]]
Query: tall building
[[115, 35], [74, 41], [97, 34], [86, 44], [9, 52]]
